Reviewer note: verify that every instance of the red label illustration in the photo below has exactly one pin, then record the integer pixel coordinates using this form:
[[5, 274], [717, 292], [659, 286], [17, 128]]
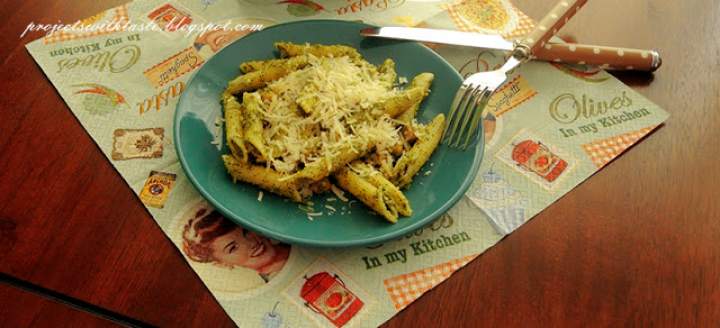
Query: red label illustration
[[170, 18], [326, 294], [536, 157]]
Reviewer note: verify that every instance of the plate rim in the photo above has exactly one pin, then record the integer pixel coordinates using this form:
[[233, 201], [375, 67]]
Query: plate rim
[[294, 240]]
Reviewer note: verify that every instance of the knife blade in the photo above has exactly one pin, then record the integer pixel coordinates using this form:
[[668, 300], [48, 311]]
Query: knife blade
[[470, 39], [610, 58]]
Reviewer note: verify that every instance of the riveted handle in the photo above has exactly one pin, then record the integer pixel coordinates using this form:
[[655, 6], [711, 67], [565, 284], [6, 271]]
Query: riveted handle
[[610, 58], [553, 21]]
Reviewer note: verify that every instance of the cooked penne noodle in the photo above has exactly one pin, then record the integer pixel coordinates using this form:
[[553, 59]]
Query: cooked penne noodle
[[253, 126], [233, 127], [271, 72], [379, 181], [380, 197], [322, 168], [420, 82], [257, 65], [288, 49], [262, 177], [408, 99], [413, 160]]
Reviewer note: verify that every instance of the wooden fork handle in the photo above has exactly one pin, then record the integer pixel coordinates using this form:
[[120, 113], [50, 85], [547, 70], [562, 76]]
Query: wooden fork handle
[[553, 21], [606, 57]]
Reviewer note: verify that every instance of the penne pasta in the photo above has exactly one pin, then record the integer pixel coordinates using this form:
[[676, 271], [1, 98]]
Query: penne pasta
[[233, 127], [375, 192], [258, 65], [271, 72], [323, 167], [252, 126], [322, 112], [262, 177], [421, 82], [379, 181], [288, 49], [408, 99], [413, 160]]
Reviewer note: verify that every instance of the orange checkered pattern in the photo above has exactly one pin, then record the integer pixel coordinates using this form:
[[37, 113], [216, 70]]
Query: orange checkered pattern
[[120, 16], [524, 27], [406, 288], [603, 151]]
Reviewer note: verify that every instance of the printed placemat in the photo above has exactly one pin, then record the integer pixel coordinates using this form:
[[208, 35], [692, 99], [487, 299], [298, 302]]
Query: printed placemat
[[547, 130]]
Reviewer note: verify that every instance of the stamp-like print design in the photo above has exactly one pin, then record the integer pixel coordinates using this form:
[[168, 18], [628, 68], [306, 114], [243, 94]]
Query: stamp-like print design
[[137, 143], [170, 69], [327, 295], [510, 96], [170, 18], [538, 161], [157, 188]]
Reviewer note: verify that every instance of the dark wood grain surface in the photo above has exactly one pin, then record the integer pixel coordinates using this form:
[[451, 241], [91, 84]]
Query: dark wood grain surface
[[19, 308], [638, 244]]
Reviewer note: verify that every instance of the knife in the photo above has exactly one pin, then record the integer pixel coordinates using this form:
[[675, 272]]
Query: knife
[[609, 58]]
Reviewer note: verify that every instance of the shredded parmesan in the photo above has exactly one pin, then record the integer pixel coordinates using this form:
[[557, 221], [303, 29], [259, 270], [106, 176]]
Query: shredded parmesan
[[339, 193], [340, 95], [260, 196]]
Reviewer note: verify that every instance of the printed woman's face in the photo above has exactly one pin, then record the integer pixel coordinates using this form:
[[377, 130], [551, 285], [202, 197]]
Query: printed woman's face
[[248, 250]]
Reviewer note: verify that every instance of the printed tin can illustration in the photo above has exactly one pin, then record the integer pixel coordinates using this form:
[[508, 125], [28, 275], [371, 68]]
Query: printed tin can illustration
[[537, 158], [326, 294]]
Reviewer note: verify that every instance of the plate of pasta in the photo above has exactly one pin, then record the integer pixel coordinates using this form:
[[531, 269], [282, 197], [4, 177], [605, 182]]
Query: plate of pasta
[[310, 134]]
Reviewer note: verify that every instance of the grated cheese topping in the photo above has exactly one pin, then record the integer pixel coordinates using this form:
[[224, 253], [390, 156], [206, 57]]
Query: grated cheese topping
[[343, 94]]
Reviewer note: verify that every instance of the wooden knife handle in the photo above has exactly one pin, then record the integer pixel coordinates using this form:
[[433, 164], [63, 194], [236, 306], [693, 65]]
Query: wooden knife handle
[[553, 21], [606, 57]]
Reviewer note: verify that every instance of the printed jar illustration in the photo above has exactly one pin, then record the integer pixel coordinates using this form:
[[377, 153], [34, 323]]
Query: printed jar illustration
[[326, 294], [537, 158]]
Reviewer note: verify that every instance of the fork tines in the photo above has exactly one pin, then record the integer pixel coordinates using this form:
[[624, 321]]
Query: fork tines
[[465, 115]]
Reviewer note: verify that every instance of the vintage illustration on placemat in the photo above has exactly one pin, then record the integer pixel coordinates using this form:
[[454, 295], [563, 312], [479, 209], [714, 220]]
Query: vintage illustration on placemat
[[157, 188], [98, 99], [235, 259], [176, 66], [537, 160], [328, 296], [504, 205], [170, 17], [137, 143]]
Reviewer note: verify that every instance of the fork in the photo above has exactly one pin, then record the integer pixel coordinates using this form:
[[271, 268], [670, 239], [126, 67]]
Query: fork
[[476, 91]]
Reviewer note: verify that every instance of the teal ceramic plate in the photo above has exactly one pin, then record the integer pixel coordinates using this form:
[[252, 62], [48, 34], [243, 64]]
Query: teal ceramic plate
[[430, 195]]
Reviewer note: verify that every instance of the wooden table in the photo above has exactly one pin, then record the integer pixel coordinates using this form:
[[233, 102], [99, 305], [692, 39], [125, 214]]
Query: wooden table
[[637, 244]]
